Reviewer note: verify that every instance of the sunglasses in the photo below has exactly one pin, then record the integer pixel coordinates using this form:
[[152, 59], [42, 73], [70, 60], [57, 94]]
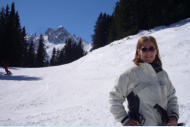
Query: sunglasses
[[151, 49]]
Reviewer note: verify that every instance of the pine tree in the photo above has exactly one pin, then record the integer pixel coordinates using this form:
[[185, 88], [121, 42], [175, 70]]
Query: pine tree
[[61, 56], [101, 31], [24, 47], [16, 45], [71, 51], [112, 31], [5, 39], [41, 56], [31, 55], [57, 56], [12, 37], [67, 51], [80, 49], [2, 31], [126, 18], [53, 57]]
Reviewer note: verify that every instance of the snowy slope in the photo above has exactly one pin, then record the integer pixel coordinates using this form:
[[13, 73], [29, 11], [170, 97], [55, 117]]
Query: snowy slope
[[77, 93]]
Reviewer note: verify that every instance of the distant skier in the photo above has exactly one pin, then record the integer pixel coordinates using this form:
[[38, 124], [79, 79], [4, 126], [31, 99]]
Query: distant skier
[[148, 90], [4, 65]]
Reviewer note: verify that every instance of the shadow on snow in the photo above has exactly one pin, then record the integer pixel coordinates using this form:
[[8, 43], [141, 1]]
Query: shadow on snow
[[18, 77]]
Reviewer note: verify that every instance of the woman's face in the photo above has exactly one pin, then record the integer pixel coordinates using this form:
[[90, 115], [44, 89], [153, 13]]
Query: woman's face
[[147, 52]]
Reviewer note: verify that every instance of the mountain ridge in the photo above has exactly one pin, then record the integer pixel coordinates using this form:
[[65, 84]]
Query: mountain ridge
[[55, 38]]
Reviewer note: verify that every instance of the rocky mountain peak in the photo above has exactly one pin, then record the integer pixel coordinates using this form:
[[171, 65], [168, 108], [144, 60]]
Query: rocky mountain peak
[[58, 35]]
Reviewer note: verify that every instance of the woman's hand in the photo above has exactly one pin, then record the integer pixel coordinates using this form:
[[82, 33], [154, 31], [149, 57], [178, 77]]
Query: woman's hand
[[172, 122], [132, 123]]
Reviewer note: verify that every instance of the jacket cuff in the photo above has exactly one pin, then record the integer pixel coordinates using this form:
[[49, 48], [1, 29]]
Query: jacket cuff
[[173, 114], [125, 120]]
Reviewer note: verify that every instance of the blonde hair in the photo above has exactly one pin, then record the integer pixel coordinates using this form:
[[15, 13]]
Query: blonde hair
[[137, 59]]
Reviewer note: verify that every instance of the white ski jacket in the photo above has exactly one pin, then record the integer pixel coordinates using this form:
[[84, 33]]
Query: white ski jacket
[[151, 87]]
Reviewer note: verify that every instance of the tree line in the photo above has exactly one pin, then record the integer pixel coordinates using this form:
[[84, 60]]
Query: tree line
[[69, 53], [16, 51], [130, 16], [12, 41]]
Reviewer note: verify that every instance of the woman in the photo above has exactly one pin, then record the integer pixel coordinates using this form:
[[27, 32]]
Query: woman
[[147, 88]]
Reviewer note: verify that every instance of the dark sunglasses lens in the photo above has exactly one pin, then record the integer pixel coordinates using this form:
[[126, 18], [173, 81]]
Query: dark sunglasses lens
[[151, 49], [144, 49]]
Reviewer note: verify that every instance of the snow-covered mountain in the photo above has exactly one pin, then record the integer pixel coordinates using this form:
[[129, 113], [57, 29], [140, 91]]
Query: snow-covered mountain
[[56, 38], [77, 93], [58, 35]]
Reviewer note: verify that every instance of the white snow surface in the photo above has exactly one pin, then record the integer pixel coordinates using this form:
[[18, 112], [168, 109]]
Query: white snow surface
[[78, 93]]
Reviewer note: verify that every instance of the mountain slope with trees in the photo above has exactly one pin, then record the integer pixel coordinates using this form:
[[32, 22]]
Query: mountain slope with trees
[[131, 16], [22, 50]]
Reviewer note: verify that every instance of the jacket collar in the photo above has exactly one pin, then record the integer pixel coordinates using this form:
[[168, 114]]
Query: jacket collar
[[146, 66], [157, 69], [148, 69]]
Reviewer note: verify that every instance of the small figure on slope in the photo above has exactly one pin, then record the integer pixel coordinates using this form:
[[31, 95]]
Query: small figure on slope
[[4, 65]]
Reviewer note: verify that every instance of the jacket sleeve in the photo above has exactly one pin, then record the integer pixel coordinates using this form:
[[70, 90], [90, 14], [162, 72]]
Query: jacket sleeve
[[117, 98], [173, 107]]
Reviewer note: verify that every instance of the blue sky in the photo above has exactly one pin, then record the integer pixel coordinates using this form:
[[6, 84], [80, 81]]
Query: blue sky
[[77, 16]]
